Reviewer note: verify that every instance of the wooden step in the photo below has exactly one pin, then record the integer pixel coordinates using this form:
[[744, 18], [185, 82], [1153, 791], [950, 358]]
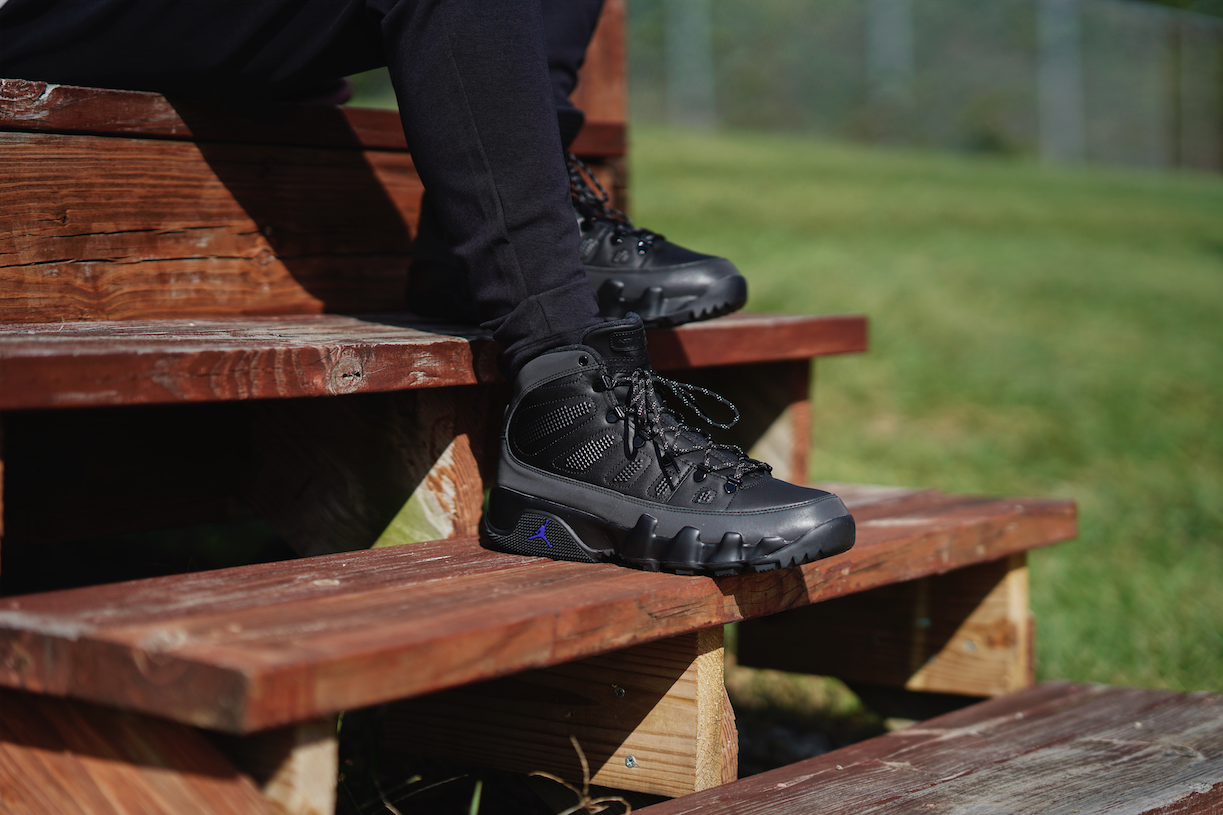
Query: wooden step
[[1056, 748], [254, 647], [75, 364], [122, 205]]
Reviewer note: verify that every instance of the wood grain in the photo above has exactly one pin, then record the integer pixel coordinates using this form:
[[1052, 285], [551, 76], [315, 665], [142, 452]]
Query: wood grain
[[1057, 748], [730, 739], [59, 757], [222, 359], [112, 229], [40, 107], [265, 645], [657, 706], [967, 632]]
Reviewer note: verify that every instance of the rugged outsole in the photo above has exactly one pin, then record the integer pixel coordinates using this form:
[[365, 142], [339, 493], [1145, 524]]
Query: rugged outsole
[[659, 309], [538, 528]]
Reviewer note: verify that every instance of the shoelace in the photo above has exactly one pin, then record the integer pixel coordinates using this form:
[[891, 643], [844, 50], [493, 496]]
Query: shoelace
[[671, 437], [592, 203]]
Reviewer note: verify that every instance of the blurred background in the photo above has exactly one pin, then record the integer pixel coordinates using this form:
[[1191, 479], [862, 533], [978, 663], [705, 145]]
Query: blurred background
[[1135, 83], [1025, 197]]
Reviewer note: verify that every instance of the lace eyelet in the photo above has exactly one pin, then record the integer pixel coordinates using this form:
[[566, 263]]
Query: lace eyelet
[[612, 417], [583, 360], [699, 476], [638, 441], [732, 484]]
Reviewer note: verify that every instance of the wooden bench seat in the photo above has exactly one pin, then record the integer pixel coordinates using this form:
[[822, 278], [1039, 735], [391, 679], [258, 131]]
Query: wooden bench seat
[[1058, 747], [254, 647]]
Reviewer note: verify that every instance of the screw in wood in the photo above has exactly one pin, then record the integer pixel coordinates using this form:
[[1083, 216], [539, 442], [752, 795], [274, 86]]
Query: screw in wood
[[630, 762]]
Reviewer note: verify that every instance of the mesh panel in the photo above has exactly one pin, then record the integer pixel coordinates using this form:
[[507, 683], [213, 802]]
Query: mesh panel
[[590, 452], [631, 470], [661, 487], [552, 423]]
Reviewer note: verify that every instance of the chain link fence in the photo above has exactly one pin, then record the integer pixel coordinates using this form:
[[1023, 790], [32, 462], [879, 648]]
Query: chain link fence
[[1116, 81]]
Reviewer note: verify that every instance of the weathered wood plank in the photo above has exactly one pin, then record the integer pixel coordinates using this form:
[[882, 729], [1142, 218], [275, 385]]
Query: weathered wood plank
[[967, 632], [59, 757], [116, 229], [166, 361], [740, 339], [1057, 748], [264, 645], [69, 109], [648, 718]]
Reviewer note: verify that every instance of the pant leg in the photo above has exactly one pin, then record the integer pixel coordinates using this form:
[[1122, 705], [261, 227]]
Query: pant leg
[[568, 27], [495, 172], [474, 95], [204, 48]]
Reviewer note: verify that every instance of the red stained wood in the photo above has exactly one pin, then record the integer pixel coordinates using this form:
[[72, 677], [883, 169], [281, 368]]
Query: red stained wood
[[741, 338], [59, 757], [602, 89], [39, 107], [117, 229], [259, 646], [1059, 747], [204, 360]]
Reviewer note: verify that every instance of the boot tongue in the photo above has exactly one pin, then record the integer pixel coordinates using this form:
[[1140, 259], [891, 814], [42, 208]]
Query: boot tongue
[[621, 343]]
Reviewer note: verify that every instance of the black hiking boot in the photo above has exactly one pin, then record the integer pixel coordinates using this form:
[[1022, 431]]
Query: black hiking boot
[[636, 270], [631, 269], [594, 468]]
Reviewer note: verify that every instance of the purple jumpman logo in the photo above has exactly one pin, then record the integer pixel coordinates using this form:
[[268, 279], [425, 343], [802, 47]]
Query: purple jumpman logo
[[541, 534]]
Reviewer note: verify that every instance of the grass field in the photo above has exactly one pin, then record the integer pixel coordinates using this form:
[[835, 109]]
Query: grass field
[[1034, 330]]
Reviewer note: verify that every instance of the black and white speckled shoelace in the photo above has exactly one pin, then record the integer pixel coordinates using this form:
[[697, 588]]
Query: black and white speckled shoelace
[[591, 202], [650, 419]]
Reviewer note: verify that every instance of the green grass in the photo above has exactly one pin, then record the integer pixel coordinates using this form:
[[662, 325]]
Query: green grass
[[1034, 330]]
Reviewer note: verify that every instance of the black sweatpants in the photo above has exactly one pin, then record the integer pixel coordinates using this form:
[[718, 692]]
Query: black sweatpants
[[476, 95]]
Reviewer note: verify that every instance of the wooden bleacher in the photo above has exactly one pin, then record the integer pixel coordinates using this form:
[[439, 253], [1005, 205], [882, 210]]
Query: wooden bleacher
[[201, 319]]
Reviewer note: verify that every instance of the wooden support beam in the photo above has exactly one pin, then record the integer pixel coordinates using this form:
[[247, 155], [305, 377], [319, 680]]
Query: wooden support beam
[[294, 767], [59, 757], [967, 632], [651, 718]]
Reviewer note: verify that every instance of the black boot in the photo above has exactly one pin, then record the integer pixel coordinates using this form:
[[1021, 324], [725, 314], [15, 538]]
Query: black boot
[[631, 269], [636, 270], [594, 468]]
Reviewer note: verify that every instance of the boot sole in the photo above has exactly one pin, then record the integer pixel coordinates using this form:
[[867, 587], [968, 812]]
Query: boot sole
[[659, 309], [538, 528]]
